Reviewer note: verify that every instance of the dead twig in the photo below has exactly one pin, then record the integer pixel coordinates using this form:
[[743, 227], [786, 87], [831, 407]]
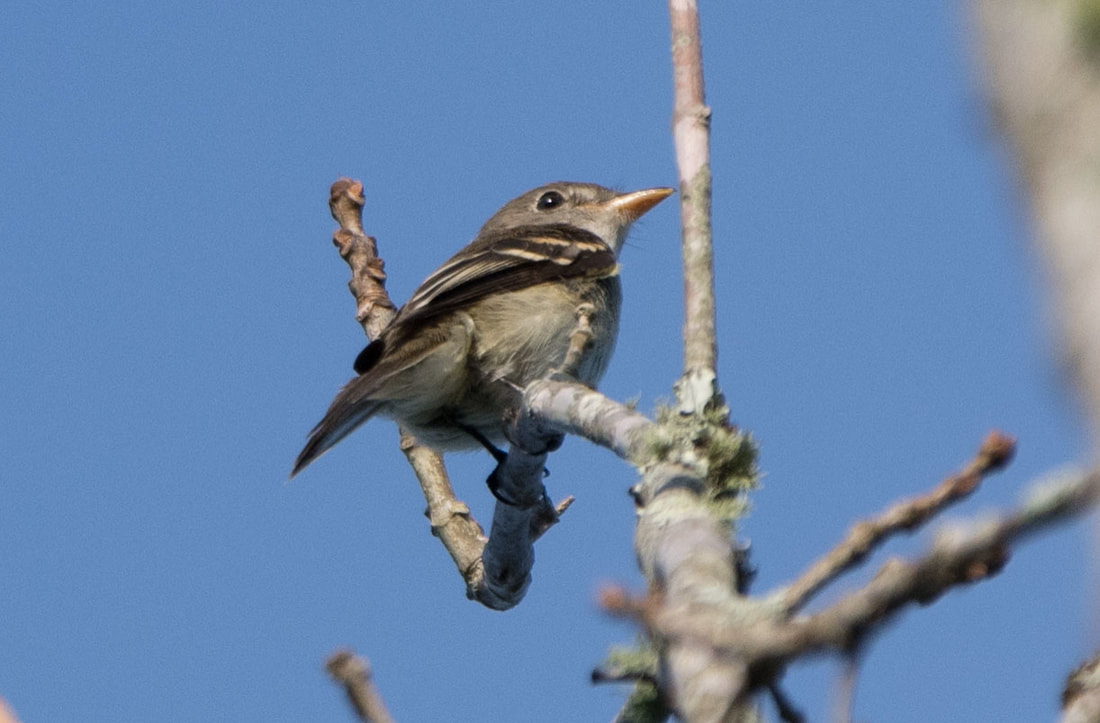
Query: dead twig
[[862, 539], [960, 555], [353, 673]]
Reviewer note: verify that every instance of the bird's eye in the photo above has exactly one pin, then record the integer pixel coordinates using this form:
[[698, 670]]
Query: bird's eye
[[550, 199]]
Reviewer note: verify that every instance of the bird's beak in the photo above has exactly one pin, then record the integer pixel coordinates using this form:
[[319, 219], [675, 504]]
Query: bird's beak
[[631, 206]]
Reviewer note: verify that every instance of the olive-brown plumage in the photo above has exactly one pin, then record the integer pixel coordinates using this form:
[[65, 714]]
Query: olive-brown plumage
[[494, 317]]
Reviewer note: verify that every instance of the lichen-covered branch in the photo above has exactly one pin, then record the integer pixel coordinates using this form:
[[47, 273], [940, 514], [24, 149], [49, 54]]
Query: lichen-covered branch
[[686, 555], [959, 555], [695, 469]]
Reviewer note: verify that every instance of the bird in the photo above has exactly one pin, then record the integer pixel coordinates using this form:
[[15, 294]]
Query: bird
[[494, 317]]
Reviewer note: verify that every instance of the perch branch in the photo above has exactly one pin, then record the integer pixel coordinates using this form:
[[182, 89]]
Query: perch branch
[[524, 512], [496, 571], [449, 516], [572, 408]]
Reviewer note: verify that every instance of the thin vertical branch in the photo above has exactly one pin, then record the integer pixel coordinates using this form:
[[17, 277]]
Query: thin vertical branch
[[374, 310], [691, 135], [683, 542], [844, 705], [450, 518]]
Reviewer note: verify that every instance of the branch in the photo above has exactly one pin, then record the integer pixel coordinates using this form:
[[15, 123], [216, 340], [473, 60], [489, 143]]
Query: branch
[[450, 518], [996, 451], [959, 555], [496, 571], [695, 465], [691, 136], [522, 513], [572, 408], [684, 551], [1042, 76], [682, 542], [354, 674], [1081, 696], [374, 310]]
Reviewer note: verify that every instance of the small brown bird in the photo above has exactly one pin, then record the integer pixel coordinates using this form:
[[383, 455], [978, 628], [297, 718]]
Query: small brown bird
[[493, 318]]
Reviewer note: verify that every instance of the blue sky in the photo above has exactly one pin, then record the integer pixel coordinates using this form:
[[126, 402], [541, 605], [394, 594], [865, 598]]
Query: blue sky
[[176, 320]]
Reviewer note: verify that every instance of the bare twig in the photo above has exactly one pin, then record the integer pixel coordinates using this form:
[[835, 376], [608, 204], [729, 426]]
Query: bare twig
[[374, 310], [450, 518], [996, 451], [844, 705], [353, 673], [691, 135], [578, 340], [788, 713], [682, 540], [572, 408]]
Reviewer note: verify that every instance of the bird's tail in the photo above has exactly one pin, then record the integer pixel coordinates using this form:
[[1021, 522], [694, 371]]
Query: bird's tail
[[348, 410]]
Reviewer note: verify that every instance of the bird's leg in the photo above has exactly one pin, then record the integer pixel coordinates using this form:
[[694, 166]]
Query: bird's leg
[[498, 454], [578, 342]]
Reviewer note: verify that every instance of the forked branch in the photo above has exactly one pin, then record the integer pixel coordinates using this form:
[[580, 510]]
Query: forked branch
[[496, 570]]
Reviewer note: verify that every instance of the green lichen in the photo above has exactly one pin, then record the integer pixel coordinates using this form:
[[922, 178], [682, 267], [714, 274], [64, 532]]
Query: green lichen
[[1086, 25], [723, 455], [638, 663], [644, 705]]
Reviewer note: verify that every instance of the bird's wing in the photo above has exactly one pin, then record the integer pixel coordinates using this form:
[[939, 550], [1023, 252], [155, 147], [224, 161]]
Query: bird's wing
[[357, 402], [507, 261]]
